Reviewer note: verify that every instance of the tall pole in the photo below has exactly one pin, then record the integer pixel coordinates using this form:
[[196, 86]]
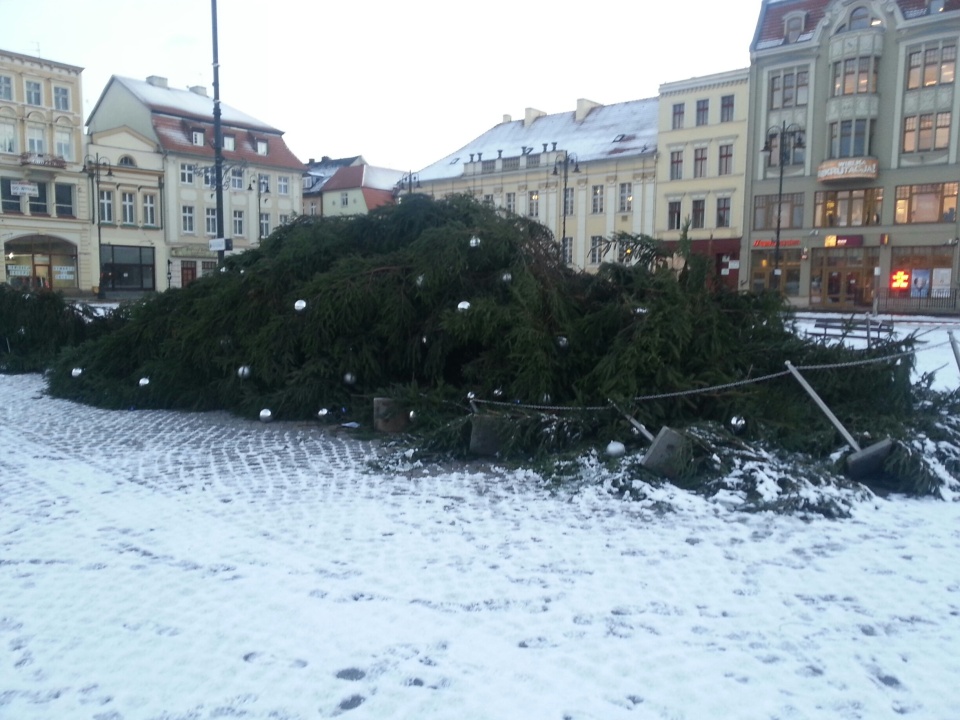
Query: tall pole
[[563, 199], [776, 244], [217, 134], [101, 293]]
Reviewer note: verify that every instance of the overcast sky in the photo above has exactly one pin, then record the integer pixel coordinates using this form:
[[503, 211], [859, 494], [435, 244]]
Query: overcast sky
[[401, 83]]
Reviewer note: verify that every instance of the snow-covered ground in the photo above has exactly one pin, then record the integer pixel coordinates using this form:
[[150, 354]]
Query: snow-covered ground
[[193, 566]]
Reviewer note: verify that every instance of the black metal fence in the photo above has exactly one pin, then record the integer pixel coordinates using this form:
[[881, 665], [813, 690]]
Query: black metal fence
[[894, 301]]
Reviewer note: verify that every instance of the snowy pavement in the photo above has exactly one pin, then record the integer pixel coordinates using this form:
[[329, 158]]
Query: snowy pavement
[[192, 566]]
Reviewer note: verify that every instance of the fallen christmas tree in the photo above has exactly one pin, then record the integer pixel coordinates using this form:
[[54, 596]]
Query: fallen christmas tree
[[452, 306]]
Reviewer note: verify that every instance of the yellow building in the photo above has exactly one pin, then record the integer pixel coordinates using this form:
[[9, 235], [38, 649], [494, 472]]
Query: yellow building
[[585, 174], [701, 165], [45, 227]]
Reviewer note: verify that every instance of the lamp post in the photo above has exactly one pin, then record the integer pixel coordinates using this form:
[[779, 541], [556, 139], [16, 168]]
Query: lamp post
[[407, 181], [261, 191], [568, 157], [93, 166], [794, 135]]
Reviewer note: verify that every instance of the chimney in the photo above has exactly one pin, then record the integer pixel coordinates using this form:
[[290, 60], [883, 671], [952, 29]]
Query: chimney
[[530, 115], [311, 161], [198, 90], [584, 107], [507, 118], [157, 81]]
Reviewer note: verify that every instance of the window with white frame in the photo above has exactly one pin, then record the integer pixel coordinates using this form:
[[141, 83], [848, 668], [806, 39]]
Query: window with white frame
[[210, 221], [106, 206], [725, 165], [236, 178], [36, 143], [673, 215], [596, 249], [6, 87], [32, 93], [626, 197], [699, 162], [511, 202], [533, 203], [568, 203], [186, 173], [150, 209], [229, 142], [283, 184], [61, 98], [187, 219], [238, 223], [209, 177], [198, 137], [8, 137], [128, 208], [261, 147], [698, 213], [344, 199], [676, 164], [703, 111], [263, 181], [597, 199], [284, 219], [63, 144], [723, 212], [264, 224], [677, 117], [63, 199], [566, 248], [726, 108]]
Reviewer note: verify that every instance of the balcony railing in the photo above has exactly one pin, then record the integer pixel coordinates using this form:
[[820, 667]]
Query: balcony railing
[[42, 159]]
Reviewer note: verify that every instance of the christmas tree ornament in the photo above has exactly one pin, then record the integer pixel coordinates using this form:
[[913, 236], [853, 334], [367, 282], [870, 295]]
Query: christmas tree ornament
[[463, 306], [546, 398], [737, 424], [243, 372], [616, 449], [474, 242], [144, 381], [300, 305], [413, 415], [498, 392], [507, 277], [471, 395], [322, 413], [265, 415], [562, 342], [419, 281], [349, 378], [423, 340], [77, 372]]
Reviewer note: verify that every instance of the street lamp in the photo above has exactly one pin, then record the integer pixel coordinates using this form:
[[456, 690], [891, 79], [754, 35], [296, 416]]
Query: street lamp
[[782, 135], [93, 165], [262, 189], [407, 181], [568, 157]]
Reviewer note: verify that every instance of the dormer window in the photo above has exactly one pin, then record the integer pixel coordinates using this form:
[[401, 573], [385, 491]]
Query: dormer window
[[794, 26], [229, 142], [198, 137], [127, 161], [261, 147]]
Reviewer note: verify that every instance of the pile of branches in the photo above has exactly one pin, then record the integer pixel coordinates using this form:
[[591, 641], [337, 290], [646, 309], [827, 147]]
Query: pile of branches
[[452, 305]]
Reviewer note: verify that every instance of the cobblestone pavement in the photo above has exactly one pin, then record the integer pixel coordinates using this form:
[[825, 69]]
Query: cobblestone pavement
[[193, 566]]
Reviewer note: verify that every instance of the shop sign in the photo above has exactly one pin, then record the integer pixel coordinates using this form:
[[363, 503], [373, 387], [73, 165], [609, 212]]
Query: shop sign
[[18, 187], [862, 168], [843, 241], [64, 272], [773, 243], [19, 271]]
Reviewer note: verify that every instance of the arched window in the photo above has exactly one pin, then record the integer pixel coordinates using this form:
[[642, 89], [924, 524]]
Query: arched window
[[859, 19], [127, 161], [794, 27]]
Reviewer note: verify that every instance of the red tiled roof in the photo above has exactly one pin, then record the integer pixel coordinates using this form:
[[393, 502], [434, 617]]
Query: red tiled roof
[[176, 135], [375, 198], [345, 178]]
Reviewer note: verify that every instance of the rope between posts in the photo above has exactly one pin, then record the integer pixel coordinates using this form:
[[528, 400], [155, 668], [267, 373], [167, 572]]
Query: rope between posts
[[708, 389]]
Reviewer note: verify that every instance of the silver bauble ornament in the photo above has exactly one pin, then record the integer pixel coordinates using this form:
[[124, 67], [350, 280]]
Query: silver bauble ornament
[[616, 449], [506, 277], [300, 305], [266, 415], [474, 241], [349, 378], [243, 372], [322, 413], [562, 342], [144, 381], [77, 372], [463, 306]]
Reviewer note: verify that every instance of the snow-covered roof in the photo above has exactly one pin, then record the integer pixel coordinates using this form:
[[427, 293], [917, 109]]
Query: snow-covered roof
[[622, 129], [187, 103]]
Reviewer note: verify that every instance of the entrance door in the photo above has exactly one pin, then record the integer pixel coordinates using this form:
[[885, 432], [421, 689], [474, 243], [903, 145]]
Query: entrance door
[[41, 277], [188, 272]]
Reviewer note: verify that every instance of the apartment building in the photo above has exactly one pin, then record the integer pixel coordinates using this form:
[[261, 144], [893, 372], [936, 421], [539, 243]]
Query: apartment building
[[260, 177], [45, 201], [853, 150], [584, 174], [358, 189], [701, 167]]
